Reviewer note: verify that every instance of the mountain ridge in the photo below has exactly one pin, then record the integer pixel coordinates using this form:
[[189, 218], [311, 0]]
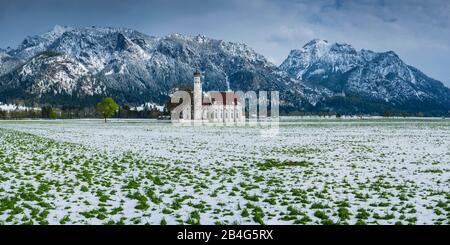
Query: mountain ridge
[[375, 76], [80, 65]]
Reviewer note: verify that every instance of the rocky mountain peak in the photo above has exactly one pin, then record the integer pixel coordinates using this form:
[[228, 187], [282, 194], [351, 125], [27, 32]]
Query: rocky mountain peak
[[366, 74]]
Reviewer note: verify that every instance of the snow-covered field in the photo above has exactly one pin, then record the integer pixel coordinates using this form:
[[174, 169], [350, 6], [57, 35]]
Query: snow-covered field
[[315, 171]]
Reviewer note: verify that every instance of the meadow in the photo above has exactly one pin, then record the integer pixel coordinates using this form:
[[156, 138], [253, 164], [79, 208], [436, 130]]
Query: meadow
[[315, 171]]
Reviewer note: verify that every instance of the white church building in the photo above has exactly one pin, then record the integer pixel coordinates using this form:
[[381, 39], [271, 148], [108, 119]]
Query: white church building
[[214, 106]]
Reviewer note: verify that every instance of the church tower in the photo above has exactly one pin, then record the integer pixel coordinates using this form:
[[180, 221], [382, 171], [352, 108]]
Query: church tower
[[197, 96]]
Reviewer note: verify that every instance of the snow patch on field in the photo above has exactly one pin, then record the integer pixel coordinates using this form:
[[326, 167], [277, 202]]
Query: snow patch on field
[[316, 171]]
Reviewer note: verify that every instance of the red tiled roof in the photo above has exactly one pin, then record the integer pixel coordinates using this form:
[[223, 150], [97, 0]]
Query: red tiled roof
[[228, 98]]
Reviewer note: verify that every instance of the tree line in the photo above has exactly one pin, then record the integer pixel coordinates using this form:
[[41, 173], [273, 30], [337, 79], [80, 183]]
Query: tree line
[[104, 109], [107, 107]]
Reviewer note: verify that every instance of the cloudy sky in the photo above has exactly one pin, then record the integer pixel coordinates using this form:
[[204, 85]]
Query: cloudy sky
[[419, 31]]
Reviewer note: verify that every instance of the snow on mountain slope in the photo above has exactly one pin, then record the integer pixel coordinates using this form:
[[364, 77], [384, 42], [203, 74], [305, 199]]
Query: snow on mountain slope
[[50, 73], [7, 63], [365, 74], [137, 68], [36, 44]]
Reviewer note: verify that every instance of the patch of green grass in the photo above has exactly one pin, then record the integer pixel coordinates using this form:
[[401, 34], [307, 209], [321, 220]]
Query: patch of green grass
[[321, 215], [142, 200], [245, 213], [64, 220], [319, 206], [343, 213], [362, 214], [383, 217], [268, 164], [194, 218], [271, 201], [153, 197], [163, 222], [253, 197]]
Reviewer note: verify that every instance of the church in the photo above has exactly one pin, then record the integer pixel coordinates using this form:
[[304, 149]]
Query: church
[[214, 106]]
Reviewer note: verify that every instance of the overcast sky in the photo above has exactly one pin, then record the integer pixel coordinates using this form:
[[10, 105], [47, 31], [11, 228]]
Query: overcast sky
[[419, 31]]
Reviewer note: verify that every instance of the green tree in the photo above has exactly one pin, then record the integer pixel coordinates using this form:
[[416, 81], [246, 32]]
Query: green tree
[[107, 107], [48, 112], [52, 114]]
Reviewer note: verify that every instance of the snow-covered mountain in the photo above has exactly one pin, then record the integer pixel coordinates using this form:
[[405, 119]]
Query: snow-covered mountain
[[78, 66], [7, 63], [362, 77]]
